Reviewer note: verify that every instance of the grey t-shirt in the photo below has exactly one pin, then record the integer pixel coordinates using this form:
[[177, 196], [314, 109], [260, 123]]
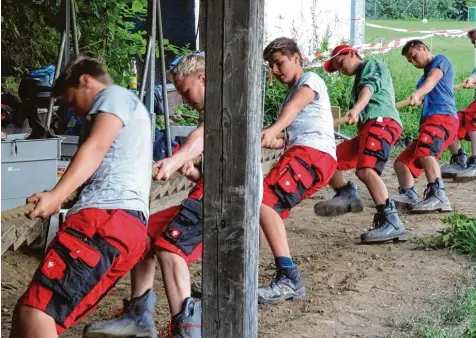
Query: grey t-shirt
[[123, 178], [313, 126]]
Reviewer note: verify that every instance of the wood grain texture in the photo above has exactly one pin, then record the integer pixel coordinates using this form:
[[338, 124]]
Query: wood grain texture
[[231, 175]]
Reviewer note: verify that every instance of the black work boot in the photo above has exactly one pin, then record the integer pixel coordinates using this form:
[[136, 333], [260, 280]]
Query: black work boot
[[468, 174], [136, 320], [386, 226], [435, 199], [456, 165], [345, 200]]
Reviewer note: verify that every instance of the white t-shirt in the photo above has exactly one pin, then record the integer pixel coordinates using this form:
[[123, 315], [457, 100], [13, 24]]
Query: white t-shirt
[[314, 125]]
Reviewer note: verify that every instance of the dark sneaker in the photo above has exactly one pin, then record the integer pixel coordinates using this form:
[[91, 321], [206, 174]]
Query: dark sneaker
[[281, 288], [435, 199], [469, 174], [457, 164], [386, 227], [196, 288], [345, 200], [188, 323], [405, 198], [136, 320]]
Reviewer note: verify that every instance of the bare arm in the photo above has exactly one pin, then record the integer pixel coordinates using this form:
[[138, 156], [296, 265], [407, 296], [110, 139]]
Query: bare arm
[[300, 100], [363, 100], [430, 82], [90, 154], [190, 150]]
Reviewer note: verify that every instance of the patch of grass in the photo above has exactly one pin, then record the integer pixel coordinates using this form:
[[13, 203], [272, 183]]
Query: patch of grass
[[455, 318], [460, 235]]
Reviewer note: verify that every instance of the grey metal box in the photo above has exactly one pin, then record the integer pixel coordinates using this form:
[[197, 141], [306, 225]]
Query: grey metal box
[[69, 145], [28, 166]]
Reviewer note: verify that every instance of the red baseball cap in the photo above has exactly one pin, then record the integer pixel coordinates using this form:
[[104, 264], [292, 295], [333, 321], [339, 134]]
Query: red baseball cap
[[339, 50]]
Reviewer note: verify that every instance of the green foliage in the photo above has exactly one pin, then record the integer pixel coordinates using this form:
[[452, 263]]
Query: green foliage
[[455, 318], [107, 32], [29, 36], [106, 29], [408, 9], [183, 115], [460, 235]]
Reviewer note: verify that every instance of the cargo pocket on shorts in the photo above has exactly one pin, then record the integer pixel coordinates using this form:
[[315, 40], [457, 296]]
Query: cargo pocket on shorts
[[185, 230], [68, 265], [433, 137], [295, 179]]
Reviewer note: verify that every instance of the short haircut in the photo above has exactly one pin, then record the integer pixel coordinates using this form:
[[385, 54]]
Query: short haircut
[[82, 65], [471, 32], [285, 46], [412, 44], [188, 64]]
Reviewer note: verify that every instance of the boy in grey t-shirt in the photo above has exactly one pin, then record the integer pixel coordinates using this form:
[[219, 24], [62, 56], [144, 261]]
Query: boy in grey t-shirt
[[104, 234], [308, 163]]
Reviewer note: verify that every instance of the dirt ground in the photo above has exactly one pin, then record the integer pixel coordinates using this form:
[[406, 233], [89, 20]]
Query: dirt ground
[[352, 290]]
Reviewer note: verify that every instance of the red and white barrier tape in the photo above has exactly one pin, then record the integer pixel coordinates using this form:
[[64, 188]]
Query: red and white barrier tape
[[456, 33], [375, 48]]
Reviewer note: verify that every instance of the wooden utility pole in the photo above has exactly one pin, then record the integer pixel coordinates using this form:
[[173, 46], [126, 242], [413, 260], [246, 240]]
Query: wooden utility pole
[[231, 174]]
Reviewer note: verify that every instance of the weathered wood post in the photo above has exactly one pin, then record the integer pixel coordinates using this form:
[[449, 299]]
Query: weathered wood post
[[233, 151]]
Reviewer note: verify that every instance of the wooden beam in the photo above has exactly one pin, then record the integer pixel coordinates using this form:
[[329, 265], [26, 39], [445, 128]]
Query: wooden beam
[[231, 175]]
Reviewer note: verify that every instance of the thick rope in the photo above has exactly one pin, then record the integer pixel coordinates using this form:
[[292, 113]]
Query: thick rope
[[24, 210], [398, 105]]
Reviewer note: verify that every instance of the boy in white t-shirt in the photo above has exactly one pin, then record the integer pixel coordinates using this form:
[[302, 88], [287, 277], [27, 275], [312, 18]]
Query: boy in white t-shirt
[[306, 166]]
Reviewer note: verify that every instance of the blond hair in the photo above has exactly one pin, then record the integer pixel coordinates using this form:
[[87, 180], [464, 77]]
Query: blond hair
[[189, 64]]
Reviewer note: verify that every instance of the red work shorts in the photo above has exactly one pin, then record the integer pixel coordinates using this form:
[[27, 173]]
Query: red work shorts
[[300, 173], [467, 121], [178, 229], [436, 134], [93, 249], [371, 147]]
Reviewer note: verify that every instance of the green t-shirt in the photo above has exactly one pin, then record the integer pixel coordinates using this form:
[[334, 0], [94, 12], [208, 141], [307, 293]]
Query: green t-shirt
[[375, 75]]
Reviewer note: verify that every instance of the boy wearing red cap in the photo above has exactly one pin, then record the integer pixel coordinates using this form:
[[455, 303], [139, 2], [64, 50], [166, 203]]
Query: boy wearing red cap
[[379, 126]]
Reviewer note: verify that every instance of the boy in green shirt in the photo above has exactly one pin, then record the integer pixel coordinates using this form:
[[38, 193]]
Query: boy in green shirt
[[379, 126]]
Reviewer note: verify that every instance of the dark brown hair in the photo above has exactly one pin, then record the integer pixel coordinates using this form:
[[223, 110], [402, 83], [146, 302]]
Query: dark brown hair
[[70, 75], [285, 46], [412, 44]]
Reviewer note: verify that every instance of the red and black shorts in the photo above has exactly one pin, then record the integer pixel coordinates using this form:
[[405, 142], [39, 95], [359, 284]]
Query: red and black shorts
[[178, 229], [436, 134], [299, 173], [93, 249], [371, 147], [467, 121]]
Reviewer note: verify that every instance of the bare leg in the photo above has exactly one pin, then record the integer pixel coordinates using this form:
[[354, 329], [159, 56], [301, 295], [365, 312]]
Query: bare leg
[[143, 275], [405, 177], [176, 278], [338, 180], [431, 167], [274, 230], [374, 184], [472, 137], [454, 147], [29, 322]]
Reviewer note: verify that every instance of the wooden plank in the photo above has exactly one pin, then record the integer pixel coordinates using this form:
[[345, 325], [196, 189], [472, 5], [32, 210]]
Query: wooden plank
[[9, 235], [231, 175], [163, 195]]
